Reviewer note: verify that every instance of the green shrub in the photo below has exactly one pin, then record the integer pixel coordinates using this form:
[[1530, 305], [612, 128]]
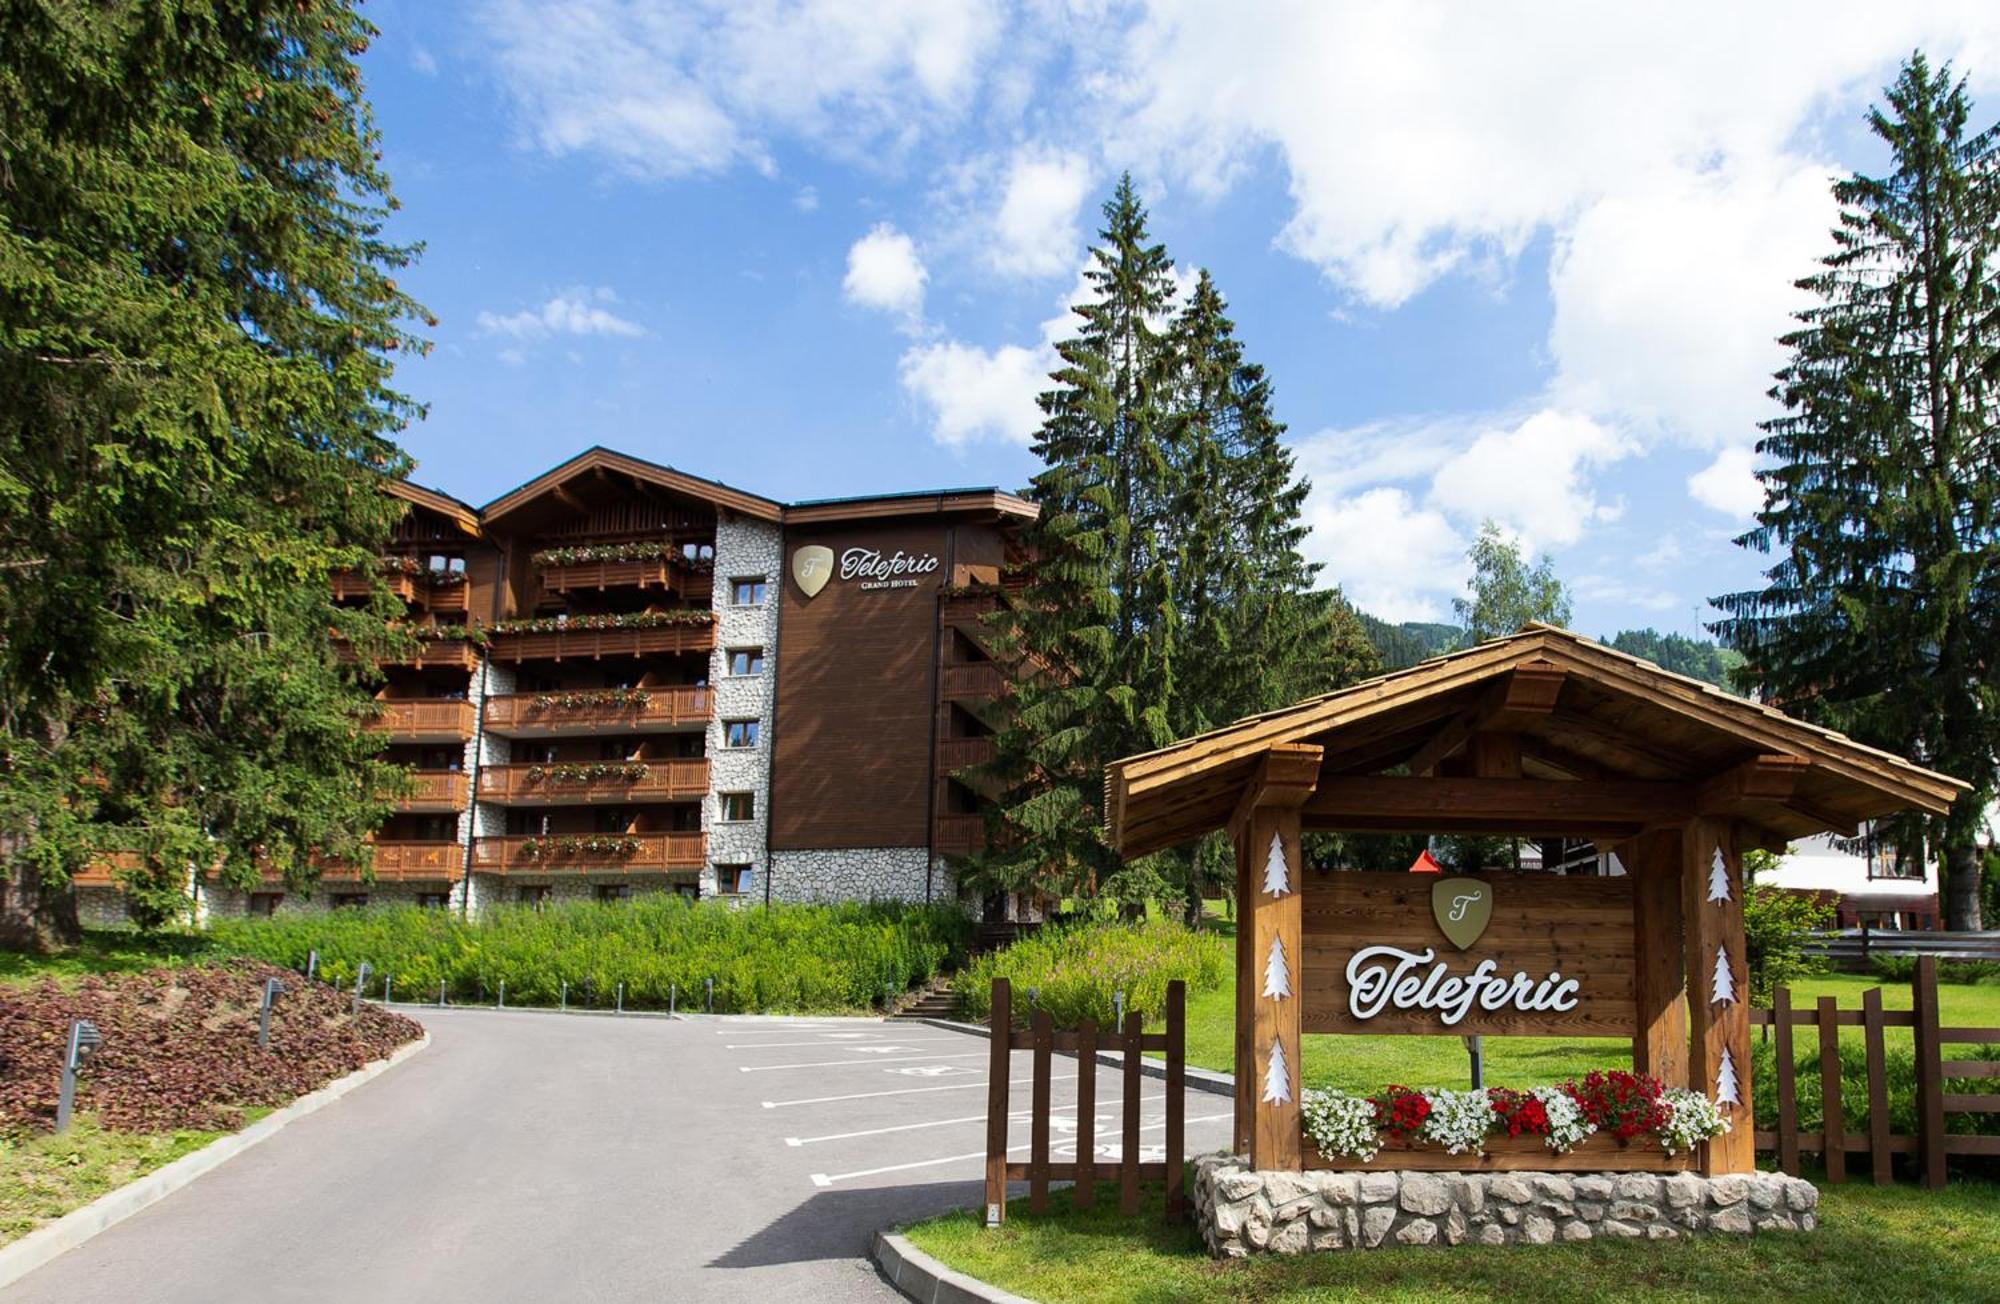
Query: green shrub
[[1776, 925], [1902, 968], [1899, 1071], [778, 959], [1076, 969]]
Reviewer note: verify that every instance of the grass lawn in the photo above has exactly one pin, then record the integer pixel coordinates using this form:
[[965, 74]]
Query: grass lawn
[[43, 1177], [1895, 1243], [103, 950], [1369, 1063]]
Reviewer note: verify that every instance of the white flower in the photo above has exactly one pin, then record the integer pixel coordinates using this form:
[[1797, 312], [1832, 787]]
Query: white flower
[[1691, 1118], [1567, 1125], [1340, 1124], [1458, 1120]]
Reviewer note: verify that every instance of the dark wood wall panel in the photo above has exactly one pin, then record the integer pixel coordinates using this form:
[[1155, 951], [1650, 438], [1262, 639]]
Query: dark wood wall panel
[[852, 740]]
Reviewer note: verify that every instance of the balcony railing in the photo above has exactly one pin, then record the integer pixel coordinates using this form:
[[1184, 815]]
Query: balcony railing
[[557, 853], [559, 783], [955, 754], [353, 584], [434, 790], [592, 644], [454, 653], [960, 835], [586, 711], [406, 862], [979, 679], [426, 719]]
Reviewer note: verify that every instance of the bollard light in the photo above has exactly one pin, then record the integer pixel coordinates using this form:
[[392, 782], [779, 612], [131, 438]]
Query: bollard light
[[709, 1003], [388, 988], [503, 995], [360, 980], [621, 998], [1034, 995], [84, 1038], [565, 993], [440, 993], [1118, 1006], [312, 964], [673, 998], [272, 987]]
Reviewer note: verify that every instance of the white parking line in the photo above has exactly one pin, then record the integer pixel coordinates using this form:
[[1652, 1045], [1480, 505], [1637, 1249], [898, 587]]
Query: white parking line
[[857, 1063], [908, 1127], [870, 1095], [845, 1042], [824, 1179]]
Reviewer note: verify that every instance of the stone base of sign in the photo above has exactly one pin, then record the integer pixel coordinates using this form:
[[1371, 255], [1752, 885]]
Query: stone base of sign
[[1242, 1211]]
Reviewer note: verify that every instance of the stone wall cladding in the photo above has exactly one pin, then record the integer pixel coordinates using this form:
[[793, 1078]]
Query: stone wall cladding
[[1242, 1211], [850, 874], [228, 903], [743, 549]]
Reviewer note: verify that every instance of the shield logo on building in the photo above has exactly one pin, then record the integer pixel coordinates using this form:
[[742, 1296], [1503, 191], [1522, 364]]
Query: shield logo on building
[[812, 567], [1463, 907]]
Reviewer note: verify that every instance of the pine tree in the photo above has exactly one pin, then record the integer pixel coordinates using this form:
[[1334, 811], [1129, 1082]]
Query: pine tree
[[1277, 977], [1728, 1090], [1882, 608], [1722, 986], [197, 315], [1093, 633], [1277, 1076], [1277, 878], [1718, 879]]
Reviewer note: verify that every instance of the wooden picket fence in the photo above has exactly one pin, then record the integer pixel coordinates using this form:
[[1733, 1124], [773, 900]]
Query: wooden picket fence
[[1084, 1042], [1832, 1141]]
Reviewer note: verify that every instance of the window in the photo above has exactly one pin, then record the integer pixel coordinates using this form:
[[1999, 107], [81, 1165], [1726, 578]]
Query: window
[[738, 806], [349, 900], [531, 895], [746, 661], [739, 733], [613, 819], [433, 900], [614, 891], [614, 749], [265, 903], [732, 880], [747, 592]]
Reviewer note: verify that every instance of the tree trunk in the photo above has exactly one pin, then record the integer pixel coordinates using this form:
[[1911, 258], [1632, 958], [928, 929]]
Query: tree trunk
[[1963, 869], [37, 918]]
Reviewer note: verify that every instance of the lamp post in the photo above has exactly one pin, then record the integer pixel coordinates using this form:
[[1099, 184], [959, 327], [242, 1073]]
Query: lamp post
[[272, 987], [83, 1039]]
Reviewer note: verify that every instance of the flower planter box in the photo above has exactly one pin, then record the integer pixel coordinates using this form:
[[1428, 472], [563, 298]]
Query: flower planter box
[[533, 715], [591, 644], [1597, 1153]]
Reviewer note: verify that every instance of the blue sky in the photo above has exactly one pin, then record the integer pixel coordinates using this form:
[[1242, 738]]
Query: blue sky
[[1506, 262]]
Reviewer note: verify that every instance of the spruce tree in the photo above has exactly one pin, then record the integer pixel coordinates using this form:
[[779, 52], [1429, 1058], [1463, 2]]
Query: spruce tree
[[197, 318], [1882, 608]]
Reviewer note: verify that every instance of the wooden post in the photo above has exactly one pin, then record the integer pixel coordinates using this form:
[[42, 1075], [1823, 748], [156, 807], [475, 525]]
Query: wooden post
[[1042, 1036], [1718, 989], [1275, 1050], [1659, 977], [1176, 1092], [1788, 1094], [1833, 1115], [1930, 1073], [1086, 1114], [1246, 993], [1128, 1145], [1000, 1025], [1878, 1085]]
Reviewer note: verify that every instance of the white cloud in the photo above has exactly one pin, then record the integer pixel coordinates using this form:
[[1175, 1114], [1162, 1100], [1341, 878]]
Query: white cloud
[[1034, 232], [974, 393], [1594, 587], [423, 61], [1393, 559], [806, 200], [1729, 484], [572, 312], [884, 271], [1533, 478], [666, 89]]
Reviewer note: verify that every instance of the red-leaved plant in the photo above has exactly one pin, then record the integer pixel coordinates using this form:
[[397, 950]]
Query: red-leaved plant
[[1624, 1104]]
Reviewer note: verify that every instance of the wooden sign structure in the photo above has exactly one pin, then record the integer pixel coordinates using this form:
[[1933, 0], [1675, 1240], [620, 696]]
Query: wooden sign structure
[[1540, 734]]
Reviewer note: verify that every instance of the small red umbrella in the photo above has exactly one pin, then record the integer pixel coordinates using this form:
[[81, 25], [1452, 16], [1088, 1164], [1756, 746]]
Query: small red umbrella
[[1426, 864]]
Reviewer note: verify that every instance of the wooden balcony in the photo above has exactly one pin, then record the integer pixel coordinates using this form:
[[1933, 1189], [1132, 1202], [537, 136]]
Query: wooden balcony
[[434, 790], [655, 853], [544, 715], [595, 644], [445, 597], [405, 862], [971, 681], [543, 785], [353, 584], [454, 653], [426, 719], [959, 835], [954, 754]]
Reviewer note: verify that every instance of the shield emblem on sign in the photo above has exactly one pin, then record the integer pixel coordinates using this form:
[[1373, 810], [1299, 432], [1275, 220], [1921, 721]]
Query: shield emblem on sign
[[812, 567], [1463, 907]]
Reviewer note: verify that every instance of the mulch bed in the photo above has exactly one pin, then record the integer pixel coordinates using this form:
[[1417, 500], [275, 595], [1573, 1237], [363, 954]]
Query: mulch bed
[[180, 1046]]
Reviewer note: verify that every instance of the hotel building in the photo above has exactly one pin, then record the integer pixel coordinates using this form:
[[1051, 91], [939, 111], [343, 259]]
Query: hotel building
[[632, 679]]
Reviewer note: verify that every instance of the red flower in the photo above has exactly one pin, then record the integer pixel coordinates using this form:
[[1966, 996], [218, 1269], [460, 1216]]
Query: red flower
[[1401, 1111], [1623, 1104], [1519, 1112]]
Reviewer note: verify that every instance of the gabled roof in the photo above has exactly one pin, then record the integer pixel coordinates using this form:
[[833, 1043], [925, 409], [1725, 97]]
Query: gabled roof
[[464, 514], [1612, 716], [983, 501], [599, 458]]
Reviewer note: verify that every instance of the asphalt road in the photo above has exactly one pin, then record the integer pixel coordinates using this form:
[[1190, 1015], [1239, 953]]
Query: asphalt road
[[539, 1157]]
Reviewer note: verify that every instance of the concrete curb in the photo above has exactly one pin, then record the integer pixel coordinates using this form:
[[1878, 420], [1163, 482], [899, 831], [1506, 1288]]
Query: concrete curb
[[924, 1279], [1215, 1084], [113, 1207]]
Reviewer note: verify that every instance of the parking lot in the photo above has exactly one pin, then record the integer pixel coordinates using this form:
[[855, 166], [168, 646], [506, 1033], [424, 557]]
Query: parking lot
[[530, 1156]]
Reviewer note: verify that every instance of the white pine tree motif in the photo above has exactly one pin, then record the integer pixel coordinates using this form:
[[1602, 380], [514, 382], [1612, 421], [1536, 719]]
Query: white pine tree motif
[[1722, 989], [1727, 1090], [1277, 875], [1718, 879], [1278, 1077], [1277, 978]]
